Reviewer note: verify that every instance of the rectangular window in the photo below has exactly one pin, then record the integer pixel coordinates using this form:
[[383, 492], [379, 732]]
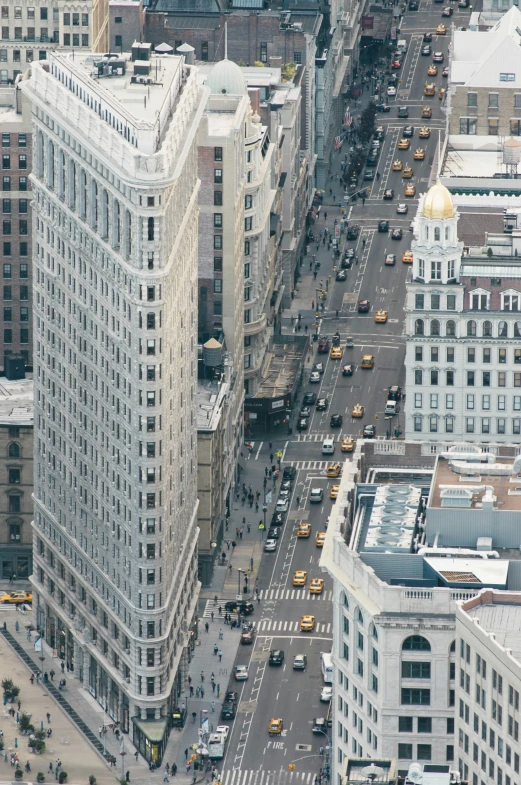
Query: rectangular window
[[217, 175], [413, 696], [469, 425], [405, 724], [493, 126], [501, 379], [218, 242], [218, 264], [470, 401], [218, 198], [450, 354], [263, 52], [419, 301], [217, 154], [418, 353], [450, 378], [204, 50], [468, 126], [405, 751], [424, 724], [217, 220], [424, 752], [22, 162], [493, 100], [472, 99], [418, 400], [470, 378]]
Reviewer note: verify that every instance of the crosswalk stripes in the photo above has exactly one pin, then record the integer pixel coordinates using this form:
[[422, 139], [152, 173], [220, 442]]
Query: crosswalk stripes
[[263, 777], [267, 625], [212, 607], [294, 594], [318, 466]]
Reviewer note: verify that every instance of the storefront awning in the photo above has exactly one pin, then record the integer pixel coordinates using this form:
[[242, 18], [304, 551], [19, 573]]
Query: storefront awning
[[154, 730]]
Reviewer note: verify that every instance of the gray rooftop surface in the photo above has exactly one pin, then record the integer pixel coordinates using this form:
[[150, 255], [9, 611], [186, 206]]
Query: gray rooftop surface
[[504, 620], [16, 402]]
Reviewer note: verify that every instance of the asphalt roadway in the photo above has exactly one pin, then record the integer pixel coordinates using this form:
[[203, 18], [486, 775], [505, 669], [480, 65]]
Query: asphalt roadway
[[253, 757]]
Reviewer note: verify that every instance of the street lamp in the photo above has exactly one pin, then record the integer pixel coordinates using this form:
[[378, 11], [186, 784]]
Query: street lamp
[[264, 511]]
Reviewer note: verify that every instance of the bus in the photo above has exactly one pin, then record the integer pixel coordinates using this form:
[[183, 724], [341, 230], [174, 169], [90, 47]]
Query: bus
[[327, 667]]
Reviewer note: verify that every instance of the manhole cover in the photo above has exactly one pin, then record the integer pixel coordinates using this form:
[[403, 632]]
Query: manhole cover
[[303, 747]]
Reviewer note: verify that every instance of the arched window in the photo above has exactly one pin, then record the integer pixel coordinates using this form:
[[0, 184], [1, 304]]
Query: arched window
[[451, 327], [61, 175], [487, 329], [83, 194], [14, 450], [517, 329], [471, 327], [435, 327], [151, 321], [359, 616], [151, 229], [50, 165], [502, 330], [104, 214], [116, 224], [437, 233], [416, 643], [418, 327], [344, 601], [452, 649], [373, 632]]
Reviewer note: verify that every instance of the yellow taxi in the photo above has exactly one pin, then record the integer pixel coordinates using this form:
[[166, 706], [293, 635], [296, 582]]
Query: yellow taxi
[[357, 410], [410, 190], [336, 353], [419, 154], [316, 586], [304, 530], [432, 70], [307, 623], [17, 597], [320, 539], [441, 93], [407, 172], [367, 361], [380, 317], [300, 578], [407, 257], [347, 444], [441, 30], [404, 144], [333, 491], [275, 726], [429, 89], [426, 112], [333, 470], [397, 166], [424, 132]]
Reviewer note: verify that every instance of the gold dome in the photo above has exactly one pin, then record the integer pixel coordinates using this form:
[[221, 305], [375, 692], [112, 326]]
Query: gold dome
[[438, 202]]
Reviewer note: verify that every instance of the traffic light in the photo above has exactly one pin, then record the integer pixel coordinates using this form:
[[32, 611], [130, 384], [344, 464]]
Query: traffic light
[[291, 767]]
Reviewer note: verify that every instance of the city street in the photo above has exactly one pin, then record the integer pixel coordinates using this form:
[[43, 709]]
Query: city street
[[253, 757]]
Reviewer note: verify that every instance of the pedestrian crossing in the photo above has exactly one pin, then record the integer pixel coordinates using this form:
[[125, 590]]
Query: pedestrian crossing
[[294, 594], [262, 777], [211, 607], [269, 626]]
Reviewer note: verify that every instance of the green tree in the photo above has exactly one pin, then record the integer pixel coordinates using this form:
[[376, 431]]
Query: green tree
[[40, 777], [368, 122], [62, 777]]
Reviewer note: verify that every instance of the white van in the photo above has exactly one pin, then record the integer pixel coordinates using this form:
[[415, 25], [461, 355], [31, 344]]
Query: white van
[[391, 407], [328, 447], [401, 46]]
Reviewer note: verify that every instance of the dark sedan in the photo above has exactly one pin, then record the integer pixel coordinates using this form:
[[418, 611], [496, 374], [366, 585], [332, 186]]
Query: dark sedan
[[309, 399], [383, 226], [305, 412], [369, 432], [426, 50], [347, 370], [336, 420], [303, 424], [322, 404], [277, 519], [290, 472], [276, 657], [273, 533], [397, 234], [341, 275], [364, 306], [408, 130], [383, 108], [229, 708], [389, 194]]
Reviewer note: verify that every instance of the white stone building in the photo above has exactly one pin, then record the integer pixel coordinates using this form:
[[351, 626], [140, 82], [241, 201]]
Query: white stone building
[[463, 325], [488, 687], [32, 28], [115, 193], [394, 649]]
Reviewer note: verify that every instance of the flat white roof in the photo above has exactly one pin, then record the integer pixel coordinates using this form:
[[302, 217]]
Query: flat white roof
[[504, 621], [16, 402]]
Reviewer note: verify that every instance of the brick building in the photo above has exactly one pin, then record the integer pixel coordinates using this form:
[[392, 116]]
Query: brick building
[[126, 20], [15, 127], [485, 79], [16, 478]]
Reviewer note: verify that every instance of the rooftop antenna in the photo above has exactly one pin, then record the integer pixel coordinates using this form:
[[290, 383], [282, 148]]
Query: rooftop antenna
[[226, 40], [439, 156]]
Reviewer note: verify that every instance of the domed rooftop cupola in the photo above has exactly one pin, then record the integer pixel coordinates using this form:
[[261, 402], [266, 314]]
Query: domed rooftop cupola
[[226, 78], [438, 203]]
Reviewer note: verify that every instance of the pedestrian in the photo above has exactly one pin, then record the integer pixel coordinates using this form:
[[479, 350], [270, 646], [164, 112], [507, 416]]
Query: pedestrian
[[186, 753], [248, 525], [202, 675], [173, 769], [165, 776], [32, 678], [197, 692], [220, 655], [189, 679], [218, 690], [127, 776], [271, 457], [213, 706], [136, 755], [48, 718], [50, 767], [213, 686], [206, 626], [202, 692], [191, 690], [63, 666], [220, 635], [28, 635], [51, 674]]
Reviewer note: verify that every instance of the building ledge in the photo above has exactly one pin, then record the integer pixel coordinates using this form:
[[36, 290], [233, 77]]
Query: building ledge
[[253, 328]]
